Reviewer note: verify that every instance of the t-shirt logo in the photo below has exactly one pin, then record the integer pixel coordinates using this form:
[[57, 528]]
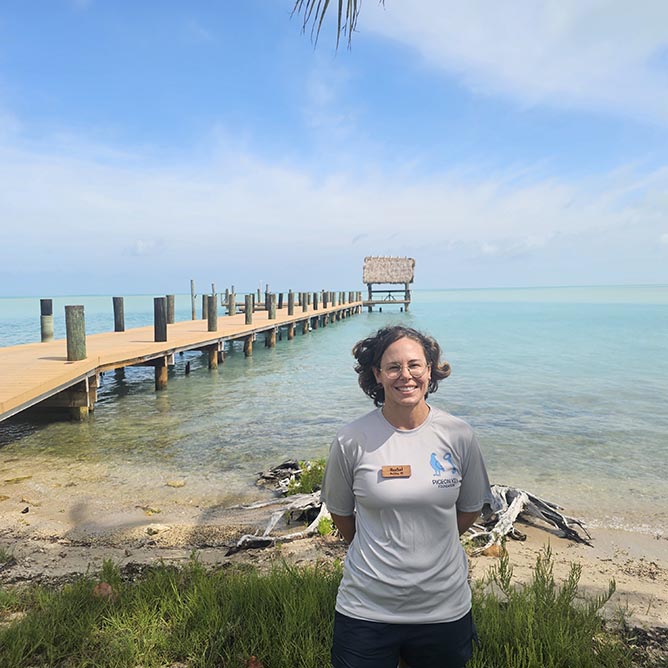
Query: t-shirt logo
[[450, 479], [438, 467]]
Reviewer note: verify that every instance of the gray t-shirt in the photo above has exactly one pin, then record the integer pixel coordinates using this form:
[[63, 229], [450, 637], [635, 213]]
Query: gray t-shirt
[[405, 563]]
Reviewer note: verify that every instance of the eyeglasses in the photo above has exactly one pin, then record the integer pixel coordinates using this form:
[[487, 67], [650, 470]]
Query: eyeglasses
[[415, 369]]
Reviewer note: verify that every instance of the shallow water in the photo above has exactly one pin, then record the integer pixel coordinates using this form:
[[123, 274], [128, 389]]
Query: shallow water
[[566, 388]]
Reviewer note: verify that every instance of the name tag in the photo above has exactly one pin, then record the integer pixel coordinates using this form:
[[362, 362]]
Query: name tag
[[400, 471]]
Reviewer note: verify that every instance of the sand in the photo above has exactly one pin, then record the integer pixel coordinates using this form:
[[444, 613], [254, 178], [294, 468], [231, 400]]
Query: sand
[[52, 530]]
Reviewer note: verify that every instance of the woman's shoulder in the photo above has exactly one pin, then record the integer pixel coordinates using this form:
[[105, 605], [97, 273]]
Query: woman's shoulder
[[361, 424], [444, 420]]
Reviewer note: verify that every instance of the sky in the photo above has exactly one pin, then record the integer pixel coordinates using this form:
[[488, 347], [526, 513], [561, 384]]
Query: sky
[[146, 143]]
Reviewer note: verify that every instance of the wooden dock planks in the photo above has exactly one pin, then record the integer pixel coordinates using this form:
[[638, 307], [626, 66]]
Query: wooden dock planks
[[33, 372]]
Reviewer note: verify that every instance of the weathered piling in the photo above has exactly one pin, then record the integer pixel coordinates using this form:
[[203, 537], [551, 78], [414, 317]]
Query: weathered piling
[[304, 301], [46, 319], [212, 313], [119, 314], [161, 373], [160, 319], [291, 303], [280, 301], [192, 300], [249, 310], [170, 309], [205, 307], [248, 345], [271, 306], [231, 303], [75, 327]]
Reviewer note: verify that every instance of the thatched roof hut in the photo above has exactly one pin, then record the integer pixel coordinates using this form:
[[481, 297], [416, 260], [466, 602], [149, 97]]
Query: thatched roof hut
[[388, 270]]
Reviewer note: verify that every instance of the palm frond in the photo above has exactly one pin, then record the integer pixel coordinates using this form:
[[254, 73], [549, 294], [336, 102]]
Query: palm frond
[[314, 11]]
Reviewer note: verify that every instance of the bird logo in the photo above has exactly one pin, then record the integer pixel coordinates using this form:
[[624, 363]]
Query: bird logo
[[436, 465]]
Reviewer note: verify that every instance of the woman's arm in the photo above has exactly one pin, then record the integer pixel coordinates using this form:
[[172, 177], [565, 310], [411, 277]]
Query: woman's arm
[[346, 526], [464, 520]]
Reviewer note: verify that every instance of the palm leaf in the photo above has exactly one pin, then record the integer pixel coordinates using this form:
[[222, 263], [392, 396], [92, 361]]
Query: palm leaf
[[313, 13]]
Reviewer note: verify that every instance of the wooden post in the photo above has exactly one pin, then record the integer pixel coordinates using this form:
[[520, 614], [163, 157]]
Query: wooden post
[[46, 319], [248, 345], [407, 294], [212, 314], [267, 297], [160, 319], [304, 302], [205, 307], [249, 313], [119, 314], [213, 353], [280, 301], [291, 303], [271, 307], [192, 299], [325, 299], [315, 301], [291, 331], [75, 327], [231, 304], [305, 326], [170, 309], [161, 374], [270, 341]]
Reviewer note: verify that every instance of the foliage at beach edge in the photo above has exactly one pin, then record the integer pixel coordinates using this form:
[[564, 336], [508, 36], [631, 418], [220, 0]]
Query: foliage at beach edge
[[202, 618]]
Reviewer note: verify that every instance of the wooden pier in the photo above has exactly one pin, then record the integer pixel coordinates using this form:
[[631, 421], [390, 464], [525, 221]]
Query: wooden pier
[[46, 374]]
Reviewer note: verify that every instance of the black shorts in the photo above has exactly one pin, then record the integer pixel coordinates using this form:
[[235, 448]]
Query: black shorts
[[362, 644]]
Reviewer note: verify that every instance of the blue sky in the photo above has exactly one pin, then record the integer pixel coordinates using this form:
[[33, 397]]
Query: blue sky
[[146, 143]]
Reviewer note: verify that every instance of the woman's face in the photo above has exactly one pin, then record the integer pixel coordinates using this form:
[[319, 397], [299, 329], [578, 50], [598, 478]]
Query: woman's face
[[405, 391]]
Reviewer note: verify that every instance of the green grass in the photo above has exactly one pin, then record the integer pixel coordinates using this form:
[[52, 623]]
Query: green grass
[[310, 478], [219, 618]]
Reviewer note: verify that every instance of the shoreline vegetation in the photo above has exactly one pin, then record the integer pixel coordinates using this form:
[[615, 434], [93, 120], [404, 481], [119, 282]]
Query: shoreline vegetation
[[167, 616], [166, 595]]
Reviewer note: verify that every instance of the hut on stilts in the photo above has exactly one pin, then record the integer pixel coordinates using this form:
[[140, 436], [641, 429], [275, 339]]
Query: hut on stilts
[[381, 272]]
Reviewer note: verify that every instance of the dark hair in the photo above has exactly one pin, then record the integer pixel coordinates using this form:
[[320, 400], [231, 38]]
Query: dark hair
[[370, 351]]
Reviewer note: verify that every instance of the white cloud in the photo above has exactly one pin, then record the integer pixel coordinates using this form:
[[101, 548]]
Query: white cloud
[[591, 54], [90, 203]]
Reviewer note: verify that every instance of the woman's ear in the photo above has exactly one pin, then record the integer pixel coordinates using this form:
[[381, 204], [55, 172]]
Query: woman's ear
[[376, 373]]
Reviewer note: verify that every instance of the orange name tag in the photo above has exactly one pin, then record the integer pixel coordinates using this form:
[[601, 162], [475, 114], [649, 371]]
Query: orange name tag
[[400, 471]]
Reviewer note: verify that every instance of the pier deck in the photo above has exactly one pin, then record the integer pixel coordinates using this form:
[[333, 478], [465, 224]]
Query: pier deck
[[32, 373]]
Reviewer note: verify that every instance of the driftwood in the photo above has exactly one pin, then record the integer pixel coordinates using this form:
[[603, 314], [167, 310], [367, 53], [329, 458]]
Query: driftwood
[[495, 524], [510, 504], [296, 506]]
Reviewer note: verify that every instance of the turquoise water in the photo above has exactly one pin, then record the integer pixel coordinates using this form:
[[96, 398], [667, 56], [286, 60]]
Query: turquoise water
[[566, 387]]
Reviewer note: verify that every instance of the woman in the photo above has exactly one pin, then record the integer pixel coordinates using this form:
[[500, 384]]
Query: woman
[[402, 483]]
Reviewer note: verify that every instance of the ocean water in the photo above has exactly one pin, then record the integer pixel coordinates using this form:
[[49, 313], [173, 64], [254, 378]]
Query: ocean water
[[567, 389]]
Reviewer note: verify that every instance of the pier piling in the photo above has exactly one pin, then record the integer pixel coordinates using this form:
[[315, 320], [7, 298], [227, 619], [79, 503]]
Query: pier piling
[[46, 319], [160, 319], [75, 327], [119, 314]]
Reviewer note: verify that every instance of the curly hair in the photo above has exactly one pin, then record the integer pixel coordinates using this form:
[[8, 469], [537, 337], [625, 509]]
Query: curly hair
[[368, 353]]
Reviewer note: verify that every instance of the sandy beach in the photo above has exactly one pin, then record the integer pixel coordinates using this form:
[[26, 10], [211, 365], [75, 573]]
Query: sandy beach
[[53, 530]]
